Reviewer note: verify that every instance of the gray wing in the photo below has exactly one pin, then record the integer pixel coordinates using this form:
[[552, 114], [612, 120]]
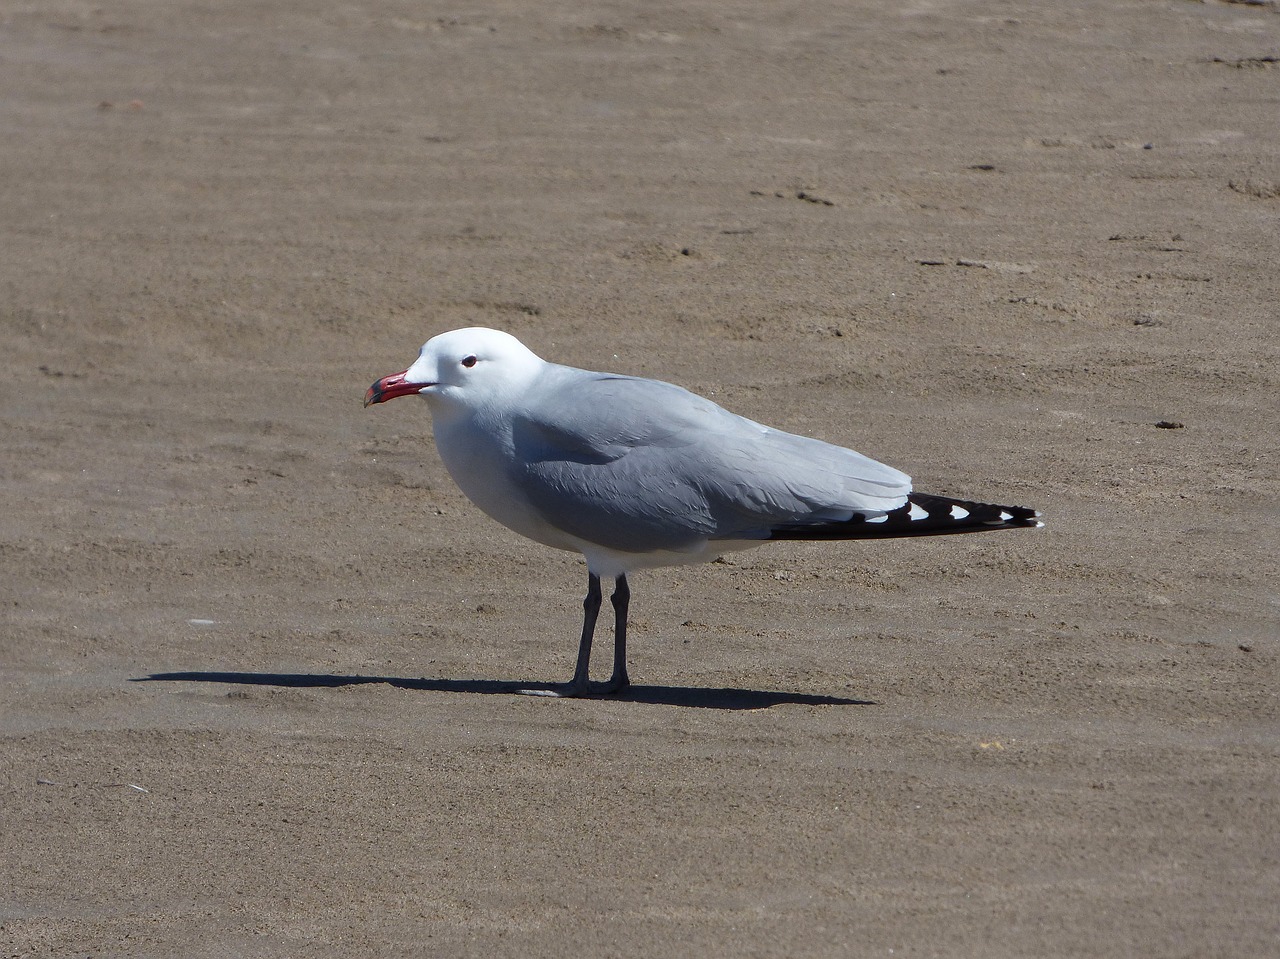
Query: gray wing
[[636, 465]]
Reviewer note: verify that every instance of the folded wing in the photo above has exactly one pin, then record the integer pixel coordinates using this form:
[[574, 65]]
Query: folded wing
[[637, 465]]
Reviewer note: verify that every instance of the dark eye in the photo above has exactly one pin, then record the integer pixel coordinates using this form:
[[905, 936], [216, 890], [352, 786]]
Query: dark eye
[[468, 361]]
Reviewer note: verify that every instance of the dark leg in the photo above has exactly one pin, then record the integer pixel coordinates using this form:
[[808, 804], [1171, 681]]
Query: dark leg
[[590, 610], [621, 599], [580, 685]]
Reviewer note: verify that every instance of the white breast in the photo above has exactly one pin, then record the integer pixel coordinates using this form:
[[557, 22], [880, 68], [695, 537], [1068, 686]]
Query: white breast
[[479, 460]]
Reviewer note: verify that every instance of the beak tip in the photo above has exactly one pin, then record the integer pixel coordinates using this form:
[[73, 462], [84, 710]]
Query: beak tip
[[389, 387]]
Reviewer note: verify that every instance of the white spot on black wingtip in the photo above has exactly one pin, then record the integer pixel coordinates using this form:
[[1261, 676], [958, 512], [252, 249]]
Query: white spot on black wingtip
[[1005, 516], [918, 513], [959, 512]]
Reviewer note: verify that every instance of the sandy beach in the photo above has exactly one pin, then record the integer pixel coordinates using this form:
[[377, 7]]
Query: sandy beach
[[257, 651]]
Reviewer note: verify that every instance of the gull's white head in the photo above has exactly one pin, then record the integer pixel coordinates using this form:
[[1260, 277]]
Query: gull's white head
[[464, 367]]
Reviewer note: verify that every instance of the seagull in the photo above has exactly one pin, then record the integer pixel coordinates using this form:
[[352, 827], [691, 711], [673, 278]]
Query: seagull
[[636, 473]]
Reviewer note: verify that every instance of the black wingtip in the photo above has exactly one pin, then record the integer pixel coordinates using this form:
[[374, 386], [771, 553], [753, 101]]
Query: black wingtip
[[924, 514]]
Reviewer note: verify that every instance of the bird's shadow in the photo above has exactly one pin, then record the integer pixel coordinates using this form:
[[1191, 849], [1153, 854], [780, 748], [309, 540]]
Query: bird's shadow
[[693, 696]]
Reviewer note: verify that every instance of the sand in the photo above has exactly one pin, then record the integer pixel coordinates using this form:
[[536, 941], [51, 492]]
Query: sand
[[257, 650]]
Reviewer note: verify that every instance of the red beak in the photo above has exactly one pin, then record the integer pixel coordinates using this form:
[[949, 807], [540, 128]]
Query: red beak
[[389, 387]]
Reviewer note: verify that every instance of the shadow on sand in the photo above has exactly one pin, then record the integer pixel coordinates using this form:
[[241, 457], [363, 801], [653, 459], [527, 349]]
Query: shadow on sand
[[656, 695]]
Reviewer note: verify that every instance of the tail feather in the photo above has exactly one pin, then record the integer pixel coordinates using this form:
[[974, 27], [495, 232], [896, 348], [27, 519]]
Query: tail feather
[[923, 514]]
